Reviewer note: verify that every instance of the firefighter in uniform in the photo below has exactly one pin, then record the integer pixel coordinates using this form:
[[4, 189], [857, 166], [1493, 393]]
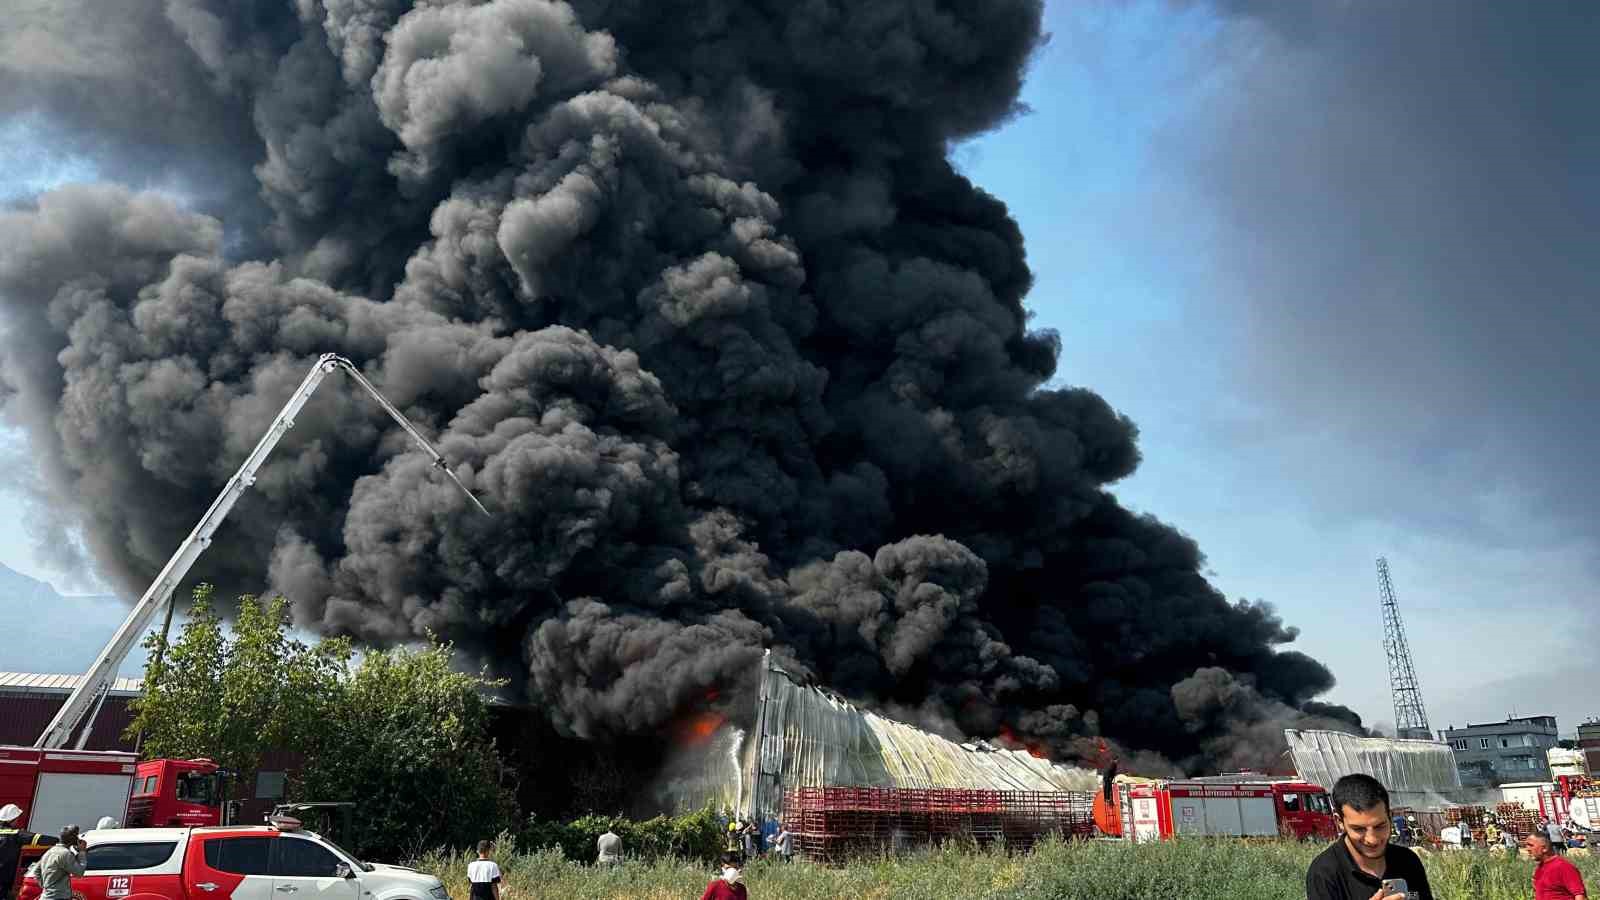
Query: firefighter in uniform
[[13, 841]]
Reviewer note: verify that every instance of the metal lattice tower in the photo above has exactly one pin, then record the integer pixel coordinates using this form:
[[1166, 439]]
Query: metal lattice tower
[[1410, 719]]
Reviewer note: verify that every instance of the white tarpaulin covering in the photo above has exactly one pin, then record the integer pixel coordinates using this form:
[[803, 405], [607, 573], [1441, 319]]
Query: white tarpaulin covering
[[809, 738], [1417, 774]]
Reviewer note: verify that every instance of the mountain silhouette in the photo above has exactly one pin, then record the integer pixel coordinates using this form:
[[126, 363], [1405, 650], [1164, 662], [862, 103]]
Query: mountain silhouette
[[48, 632]]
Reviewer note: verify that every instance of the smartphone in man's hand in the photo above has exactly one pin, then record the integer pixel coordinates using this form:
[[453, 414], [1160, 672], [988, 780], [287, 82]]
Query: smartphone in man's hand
[[1394, 889]]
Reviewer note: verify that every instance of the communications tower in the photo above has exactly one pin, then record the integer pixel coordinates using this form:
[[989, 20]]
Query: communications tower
[[1410, 719]]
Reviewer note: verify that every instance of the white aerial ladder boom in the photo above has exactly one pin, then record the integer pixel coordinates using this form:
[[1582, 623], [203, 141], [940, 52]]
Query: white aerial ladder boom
[[96, 683]]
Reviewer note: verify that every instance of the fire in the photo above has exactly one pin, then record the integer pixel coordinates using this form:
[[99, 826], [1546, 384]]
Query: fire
[[700, 727], [1034, 748]]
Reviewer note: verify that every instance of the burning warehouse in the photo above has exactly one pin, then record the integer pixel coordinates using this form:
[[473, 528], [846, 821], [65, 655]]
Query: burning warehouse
[[845, 778], [806, 737]]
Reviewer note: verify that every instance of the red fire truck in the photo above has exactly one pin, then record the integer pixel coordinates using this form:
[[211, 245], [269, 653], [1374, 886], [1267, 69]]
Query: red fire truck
[[1575, 797], [1217, 806], [1579, 798], [65, 787]]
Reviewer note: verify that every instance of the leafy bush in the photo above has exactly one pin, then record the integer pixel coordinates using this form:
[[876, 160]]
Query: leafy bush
[[408, 741], [696, 836]]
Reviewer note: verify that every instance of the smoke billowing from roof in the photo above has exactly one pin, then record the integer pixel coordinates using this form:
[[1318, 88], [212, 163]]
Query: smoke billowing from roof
[[691, 296]]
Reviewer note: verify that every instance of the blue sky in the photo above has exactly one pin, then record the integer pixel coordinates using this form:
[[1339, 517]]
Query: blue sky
[[1272, 468], [1129, 271]]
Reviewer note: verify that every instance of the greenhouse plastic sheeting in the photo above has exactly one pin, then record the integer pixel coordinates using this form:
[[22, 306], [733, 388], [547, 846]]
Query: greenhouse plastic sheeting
[[1417, 774], [806, 737]]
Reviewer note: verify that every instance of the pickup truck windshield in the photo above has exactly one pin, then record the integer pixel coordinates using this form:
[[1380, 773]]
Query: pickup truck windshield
[[365, 866]]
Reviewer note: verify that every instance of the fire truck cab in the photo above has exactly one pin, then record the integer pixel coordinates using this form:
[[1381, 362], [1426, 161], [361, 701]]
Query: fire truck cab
[[1224, 806], [177, 793]]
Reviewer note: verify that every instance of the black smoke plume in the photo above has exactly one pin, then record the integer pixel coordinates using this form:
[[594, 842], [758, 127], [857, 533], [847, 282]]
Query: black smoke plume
[[691, 295]]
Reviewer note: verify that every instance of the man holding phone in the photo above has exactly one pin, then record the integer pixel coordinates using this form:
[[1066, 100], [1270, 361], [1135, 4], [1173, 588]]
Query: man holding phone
[[1362, 864]]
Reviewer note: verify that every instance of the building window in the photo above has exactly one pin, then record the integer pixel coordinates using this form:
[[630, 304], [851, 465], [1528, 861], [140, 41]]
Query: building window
[[1504, 743], [1483, 743], [1527, 741], [269, 785]]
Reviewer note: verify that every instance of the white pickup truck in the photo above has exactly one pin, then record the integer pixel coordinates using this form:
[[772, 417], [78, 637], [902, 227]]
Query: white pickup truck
[[262, 863]]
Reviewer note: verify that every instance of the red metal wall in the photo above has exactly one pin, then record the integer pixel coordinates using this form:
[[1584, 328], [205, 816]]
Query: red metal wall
[[24, 716]]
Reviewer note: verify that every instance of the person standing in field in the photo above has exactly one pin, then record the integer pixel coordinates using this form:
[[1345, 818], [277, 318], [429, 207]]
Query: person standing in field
[[783, 842], [1558, 837], [730, 884], [1362, 864], [1554, 878], [609, 846], [483, 873]]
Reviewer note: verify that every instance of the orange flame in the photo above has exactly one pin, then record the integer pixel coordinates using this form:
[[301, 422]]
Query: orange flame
[[700, 727], [1034, 748]]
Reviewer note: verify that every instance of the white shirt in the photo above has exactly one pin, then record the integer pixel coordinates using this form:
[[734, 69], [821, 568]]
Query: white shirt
[[483, 871], [1555, 833], [610, 847]]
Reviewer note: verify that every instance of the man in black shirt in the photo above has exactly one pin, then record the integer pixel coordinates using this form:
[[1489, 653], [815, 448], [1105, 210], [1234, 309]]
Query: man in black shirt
[[13, 841], [1360, 865]]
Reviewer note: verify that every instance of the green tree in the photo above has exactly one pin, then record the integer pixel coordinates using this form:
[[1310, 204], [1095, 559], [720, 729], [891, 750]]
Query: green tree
[[181, 706], [403, 735], [231, 698], [408, 742]]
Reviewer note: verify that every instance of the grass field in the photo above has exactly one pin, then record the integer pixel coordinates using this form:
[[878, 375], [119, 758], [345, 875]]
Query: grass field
[[1087, 870]]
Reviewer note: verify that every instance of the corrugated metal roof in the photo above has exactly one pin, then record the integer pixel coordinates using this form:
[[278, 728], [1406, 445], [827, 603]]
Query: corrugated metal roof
[[47, 683], [808, 737]]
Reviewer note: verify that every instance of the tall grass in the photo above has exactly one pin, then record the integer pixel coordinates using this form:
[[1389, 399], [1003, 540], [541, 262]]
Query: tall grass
[[1090, 870]]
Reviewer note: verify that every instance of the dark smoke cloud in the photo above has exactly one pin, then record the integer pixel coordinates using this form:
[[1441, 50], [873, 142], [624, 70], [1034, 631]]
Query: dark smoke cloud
[[693, 298], [1243, 727], [1405, 199]]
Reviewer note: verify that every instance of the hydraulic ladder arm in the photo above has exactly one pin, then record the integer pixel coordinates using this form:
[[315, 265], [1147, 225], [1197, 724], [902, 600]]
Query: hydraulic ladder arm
[[91, 691]]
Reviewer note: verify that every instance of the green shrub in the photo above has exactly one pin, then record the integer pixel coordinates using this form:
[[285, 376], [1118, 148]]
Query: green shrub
[[696, 836]]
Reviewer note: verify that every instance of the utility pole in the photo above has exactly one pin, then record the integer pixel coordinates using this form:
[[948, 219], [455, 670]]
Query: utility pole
[[1410, 719]]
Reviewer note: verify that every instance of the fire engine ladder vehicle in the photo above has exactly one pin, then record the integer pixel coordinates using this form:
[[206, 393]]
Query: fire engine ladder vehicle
[[57, 785]]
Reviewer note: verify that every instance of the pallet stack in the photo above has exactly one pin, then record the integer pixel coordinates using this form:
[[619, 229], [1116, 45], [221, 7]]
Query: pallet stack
[[833, 823], [1516, 818]]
